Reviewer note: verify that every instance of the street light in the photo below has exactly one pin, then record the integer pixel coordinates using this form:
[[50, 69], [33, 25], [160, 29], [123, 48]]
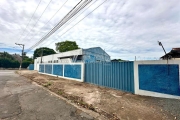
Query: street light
[[166, 55], [21, 45], [160, 44]]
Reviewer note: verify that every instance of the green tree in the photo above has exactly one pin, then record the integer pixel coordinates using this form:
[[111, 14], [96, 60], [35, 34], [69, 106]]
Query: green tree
[[6, 55], [66, 46], [11, 61], [44, 51], [25, 64], [117, 60], [8, 63]]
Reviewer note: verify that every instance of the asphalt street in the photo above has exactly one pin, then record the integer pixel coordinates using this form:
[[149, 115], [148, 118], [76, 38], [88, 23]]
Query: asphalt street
[[22, 100]]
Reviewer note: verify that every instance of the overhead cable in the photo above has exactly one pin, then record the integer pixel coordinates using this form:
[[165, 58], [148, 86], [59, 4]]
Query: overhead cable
[[79, 21], [50, 19], [73, 12], [38, 20], [70, 21], [30, 20]]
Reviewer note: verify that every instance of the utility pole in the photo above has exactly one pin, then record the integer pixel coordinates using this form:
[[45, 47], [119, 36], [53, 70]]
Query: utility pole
[[22, 46], [41, 54]]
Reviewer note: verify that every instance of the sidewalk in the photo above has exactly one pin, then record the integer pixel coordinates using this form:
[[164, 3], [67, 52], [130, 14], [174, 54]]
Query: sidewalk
[[113, 104]]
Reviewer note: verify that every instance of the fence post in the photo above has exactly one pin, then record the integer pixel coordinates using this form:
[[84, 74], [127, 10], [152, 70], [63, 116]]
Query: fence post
[[52, 69], [63, 70], [82, 71]]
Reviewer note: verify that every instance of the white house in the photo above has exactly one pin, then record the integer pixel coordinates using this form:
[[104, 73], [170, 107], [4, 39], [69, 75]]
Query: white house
[[95, 54]]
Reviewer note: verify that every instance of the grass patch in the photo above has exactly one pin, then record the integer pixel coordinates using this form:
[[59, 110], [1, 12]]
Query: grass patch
[[47, 84], [60, 92]]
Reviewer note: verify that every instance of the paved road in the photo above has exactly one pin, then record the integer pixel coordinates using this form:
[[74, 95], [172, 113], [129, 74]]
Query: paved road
[[22, 100]]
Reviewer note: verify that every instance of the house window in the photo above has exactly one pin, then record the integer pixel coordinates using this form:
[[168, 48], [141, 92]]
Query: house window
[[49, 61], [55, 61]]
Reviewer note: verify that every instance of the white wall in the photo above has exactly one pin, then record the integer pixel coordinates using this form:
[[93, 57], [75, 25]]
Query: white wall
[[176, 58], [149, 93], [36, 63], [53, 57], [82, 71]]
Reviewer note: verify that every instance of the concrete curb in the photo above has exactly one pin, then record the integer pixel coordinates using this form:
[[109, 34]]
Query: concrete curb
[[87, 113]]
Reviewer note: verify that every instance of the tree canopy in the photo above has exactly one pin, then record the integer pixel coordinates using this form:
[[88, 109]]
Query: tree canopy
[[6, 55], [117, 60], [66, 46], [12, 61], [44, 51]]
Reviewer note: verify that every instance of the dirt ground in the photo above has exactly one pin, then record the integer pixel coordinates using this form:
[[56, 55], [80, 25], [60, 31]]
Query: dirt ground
[[113, 104]]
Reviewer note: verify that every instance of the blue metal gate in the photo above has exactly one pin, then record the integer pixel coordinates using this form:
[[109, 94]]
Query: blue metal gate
[[117, 75]]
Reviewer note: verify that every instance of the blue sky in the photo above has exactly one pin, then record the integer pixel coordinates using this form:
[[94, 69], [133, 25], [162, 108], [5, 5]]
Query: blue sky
[[124, 29]]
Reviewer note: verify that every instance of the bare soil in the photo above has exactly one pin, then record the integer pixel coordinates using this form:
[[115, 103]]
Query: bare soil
[[113, 104]]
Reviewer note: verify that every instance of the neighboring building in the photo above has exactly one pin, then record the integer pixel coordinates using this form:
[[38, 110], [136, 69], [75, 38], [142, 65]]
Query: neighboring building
[[95, 54], [173, 54]]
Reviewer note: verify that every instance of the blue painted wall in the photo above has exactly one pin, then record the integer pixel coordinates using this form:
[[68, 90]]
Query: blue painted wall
[[72, 71], [156, 78], [48, 69], [31, 67], [117, 75], [41, 68], [58, 70], [94, 55]]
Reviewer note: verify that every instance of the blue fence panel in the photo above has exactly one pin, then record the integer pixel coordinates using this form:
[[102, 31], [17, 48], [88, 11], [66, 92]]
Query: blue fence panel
[[117, 75], [41, 68], [72, 71], [31, 67], [48, 69], [58, 70], [159, 78]]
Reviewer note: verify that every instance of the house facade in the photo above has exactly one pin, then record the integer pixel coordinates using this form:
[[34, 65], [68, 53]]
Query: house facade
[[95, 54]]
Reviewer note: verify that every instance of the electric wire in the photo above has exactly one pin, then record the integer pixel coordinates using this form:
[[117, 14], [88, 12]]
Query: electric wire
[[64, 20], [69, 22], [77, 22], [80, 20], [60, 23], [30, 20], [38, 19], [50, 18]]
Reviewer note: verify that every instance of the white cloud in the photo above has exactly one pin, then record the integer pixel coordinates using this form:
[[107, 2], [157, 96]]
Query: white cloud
[[125, 28]]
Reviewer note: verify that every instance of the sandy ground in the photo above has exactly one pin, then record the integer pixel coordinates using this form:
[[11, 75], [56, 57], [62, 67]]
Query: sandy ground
[[113, 104]]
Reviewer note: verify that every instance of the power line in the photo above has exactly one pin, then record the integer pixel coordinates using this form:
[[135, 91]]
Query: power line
[[73, 12], [75, 17], [50, 18], [30, 19], [39, 18], [59, 23], [80, 20]]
